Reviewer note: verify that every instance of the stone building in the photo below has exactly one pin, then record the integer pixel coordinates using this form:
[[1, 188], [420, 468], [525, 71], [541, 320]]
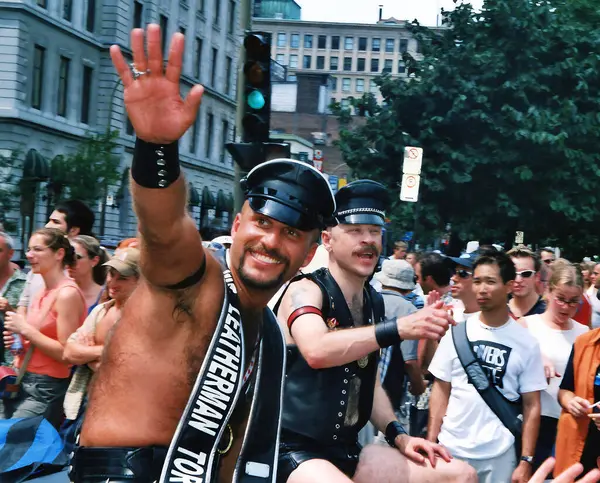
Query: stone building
[[57, 84]]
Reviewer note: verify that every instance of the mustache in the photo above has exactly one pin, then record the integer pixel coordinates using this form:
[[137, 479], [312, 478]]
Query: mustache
[[260, 248], [371, 248]]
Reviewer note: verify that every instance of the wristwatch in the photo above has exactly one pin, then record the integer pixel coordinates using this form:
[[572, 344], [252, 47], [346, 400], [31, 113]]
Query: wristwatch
[[527, 459]]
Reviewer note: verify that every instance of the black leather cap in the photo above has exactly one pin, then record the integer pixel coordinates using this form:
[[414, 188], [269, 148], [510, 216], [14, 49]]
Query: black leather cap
[[291, 192], [362, 202]]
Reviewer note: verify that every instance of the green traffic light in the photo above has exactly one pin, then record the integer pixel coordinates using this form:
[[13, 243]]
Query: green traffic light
[[256, 100]]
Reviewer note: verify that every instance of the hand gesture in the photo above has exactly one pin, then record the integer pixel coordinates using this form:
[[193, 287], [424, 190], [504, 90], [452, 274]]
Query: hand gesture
[[567, 476], [413, 447], [4, 305], [432, 322], [154, 105], [578, 407], [549, 369], [432, 298], [15, 323]]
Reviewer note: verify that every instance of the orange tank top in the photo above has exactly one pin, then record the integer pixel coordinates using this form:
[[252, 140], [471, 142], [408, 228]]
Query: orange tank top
[[41, 363]]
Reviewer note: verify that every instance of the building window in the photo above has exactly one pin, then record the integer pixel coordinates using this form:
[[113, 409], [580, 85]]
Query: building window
[[360, 67], [403, 45], [346, 84], [335, 42], [217, 13], [295, 41], [308, 41], [281, 40], [387, 66], [228, 67], [198, 62], [209, 135], [201, 6], [224, 139], [307, 62], [322, 42], [67, 12], [320, 62], [360, 85], [41, 3], [334, 84], [293, 61], [373, 86], [362, 44], [231, 27], [213, 74], [389, 45], [347, 63], [86, 93], [333, 63], [164, 26], [374, 65], [138, 15], [401, 67], [90, 20], [63, 86], [376, 45], [417, 47], [181, 30], [39, 53], [291, 78], [349, 43], [281, 59], [194, 136], [345, 103]]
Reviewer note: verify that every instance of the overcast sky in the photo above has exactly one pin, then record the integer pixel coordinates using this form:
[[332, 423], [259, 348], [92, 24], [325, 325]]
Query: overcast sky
[[367, 11]]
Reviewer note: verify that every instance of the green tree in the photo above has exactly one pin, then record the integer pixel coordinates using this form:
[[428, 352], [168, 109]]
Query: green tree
[[505, 103], [8, 190]]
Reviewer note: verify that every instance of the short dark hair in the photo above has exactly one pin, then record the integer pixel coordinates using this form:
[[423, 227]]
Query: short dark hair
[[435, 266], [502, 260], [77, 214], [523, 252]]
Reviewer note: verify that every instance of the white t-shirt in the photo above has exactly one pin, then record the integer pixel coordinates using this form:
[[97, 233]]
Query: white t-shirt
[[458, 311], [556, 346], [512, 358]]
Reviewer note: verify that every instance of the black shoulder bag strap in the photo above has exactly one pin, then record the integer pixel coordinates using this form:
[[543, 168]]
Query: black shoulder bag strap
[[508, 412]]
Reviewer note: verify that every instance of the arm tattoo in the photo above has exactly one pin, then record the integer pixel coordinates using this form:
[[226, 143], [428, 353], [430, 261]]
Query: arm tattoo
[[298, 296]]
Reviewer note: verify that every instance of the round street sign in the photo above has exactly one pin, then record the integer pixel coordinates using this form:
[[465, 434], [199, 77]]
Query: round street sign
[[411, 181]]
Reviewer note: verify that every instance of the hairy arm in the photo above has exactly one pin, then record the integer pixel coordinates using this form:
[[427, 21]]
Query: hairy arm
[[69, 308], [81, 346], [321, 347], [438, 403]]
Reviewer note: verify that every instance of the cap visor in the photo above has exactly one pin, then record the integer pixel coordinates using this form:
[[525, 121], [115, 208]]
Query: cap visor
[[120, 267], [464, 262], [361, 219], [283, 213]]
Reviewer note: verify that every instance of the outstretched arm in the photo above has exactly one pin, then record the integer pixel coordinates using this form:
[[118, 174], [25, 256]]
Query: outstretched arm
[[171, 245]]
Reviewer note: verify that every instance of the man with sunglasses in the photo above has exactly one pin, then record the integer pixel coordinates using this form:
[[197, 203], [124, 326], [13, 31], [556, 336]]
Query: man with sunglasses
[[525, 299], [547, 255], [462, 287]]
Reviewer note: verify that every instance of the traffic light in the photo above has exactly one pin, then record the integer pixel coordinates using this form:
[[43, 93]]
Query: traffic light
[[257, 88]]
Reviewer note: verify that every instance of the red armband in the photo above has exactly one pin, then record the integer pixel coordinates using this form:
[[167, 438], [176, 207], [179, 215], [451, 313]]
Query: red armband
[[307, 309]]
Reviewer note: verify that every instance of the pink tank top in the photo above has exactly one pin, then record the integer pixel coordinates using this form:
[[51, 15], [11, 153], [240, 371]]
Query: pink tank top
[[41, 363]]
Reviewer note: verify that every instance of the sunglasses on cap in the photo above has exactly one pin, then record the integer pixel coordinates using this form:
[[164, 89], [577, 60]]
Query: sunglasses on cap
[[526, 273], [462, 273]]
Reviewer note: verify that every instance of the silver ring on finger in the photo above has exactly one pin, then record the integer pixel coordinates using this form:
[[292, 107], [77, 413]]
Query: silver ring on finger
[[138, 73]]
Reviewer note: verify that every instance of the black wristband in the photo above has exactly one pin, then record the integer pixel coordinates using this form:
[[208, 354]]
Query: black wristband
[[392, 431], [155, 165], [386, 333]]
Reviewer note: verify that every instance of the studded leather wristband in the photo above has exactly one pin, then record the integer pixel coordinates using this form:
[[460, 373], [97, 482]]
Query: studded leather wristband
[[386, 334], [392, 431], [155, 165]]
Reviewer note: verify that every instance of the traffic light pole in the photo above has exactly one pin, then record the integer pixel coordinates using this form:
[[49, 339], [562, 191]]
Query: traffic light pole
[[246, 23]]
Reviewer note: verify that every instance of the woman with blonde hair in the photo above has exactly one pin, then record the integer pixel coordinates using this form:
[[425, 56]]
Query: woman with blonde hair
[[556, 331], [54, 314], [89, 271]]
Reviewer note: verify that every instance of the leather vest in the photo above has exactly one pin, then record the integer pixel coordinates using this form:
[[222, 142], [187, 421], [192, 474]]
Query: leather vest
[[332, 405]]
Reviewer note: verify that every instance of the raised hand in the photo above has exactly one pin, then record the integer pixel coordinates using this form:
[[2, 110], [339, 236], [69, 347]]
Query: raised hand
[[432, 322], [567, 476], [154, 105]]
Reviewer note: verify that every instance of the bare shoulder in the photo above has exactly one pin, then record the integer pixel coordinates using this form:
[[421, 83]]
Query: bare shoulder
[[68, 294], [300, 294]]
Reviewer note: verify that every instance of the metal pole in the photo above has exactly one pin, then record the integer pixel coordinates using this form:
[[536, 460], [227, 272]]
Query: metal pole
[[246, 23]]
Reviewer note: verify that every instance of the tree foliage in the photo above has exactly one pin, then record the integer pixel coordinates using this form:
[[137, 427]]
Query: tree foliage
[[8, 191], [506, 105]]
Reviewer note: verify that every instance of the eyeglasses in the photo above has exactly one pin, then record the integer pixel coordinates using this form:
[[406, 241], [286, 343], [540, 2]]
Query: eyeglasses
[[526, 273], [571, 303], [463, 273]]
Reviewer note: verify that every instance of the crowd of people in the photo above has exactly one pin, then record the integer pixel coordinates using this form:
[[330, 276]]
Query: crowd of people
[[163, 361]]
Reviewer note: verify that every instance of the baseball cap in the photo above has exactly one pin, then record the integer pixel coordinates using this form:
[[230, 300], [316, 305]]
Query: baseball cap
[[466, 259], [291, 192], [125, 261], [396, 273]]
